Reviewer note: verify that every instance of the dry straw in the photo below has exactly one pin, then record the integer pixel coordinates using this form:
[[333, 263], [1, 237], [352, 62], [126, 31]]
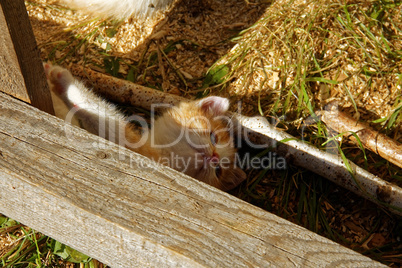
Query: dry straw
[[303, 54]]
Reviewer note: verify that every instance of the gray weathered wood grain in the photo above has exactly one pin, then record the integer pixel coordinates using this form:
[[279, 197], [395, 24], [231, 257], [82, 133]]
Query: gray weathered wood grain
[[20, 63], [126, 211], [11, 79]]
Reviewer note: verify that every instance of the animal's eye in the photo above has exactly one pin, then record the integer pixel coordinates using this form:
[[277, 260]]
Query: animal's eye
[[214, 138], [218, 171]]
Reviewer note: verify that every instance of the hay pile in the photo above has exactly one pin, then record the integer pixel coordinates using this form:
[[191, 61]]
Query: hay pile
[[305, 53], [171, 52]]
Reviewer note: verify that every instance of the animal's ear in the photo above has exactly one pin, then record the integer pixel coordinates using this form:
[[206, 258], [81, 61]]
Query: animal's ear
[[214, 105], [233, 178]]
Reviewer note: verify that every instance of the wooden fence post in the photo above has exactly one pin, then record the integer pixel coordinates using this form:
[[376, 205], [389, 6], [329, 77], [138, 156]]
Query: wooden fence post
[[21, 71]]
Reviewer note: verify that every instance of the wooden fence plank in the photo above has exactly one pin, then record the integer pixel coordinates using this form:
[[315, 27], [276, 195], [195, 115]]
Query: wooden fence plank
[[11, 79], [20, 62], [127, 211]]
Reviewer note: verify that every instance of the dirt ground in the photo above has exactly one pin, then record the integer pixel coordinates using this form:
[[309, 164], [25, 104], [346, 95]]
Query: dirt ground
[[174, 51], [197, 38]]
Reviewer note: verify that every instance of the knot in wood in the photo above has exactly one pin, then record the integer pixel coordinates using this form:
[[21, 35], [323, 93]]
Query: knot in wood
[[101, 155]]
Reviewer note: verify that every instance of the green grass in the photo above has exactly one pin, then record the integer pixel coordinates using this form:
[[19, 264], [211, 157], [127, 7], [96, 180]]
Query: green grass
[[27, 248], [297, 47]]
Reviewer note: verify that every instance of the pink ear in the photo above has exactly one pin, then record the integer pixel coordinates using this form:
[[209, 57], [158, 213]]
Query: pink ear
[[214, 105]]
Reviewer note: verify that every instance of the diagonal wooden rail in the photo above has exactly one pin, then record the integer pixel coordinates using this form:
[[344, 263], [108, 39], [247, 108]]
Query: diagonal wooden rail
[[127, 211], [21, 72]]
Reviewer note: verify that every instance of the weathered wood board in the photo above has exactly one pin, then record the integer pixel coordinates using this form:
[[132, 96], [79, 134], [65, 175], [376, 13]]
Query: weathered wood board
[[126, 211], [11, 79], [21, 71]]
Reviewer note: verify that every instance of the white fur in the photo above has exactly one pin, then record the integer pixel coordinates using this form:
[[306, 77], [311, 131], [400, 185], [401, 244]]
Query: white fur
[[97, 116], [94, 113], [120, 8]]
